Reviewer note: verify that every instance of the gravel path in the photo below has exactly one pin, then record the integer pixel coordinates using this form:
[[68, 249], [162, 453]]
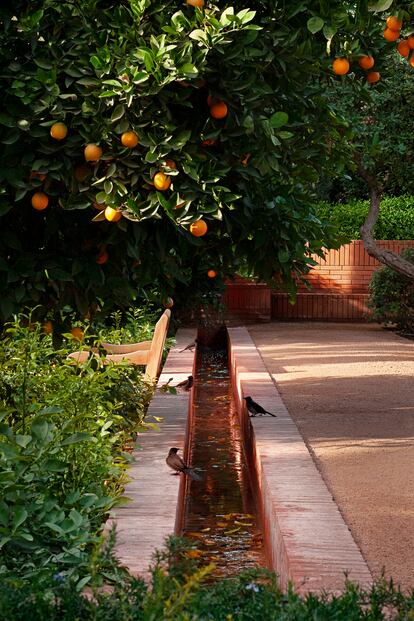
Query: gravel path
[[350, 389]]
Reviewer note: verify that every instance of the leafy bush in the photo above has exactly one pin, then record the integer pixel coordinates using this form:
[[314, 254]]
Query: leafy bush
[[395, 221], [65, 435], [392, 296], [182, 591]]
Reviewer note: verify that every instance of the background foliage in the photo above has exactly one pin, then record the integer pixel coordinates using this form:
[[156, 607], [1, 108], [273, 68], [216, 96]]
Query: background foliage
[[395, 221]]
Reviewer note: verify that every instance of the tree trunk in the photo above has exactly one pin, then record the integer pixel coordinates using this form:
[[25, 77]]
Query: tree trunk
[[387, 257]]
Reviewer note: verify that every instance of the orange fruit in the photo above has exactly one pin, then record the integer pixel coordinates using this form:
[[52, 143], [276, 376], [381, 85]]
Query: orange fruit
[[211, 273], [129, 139], [373, 76], [197, 3], [37, 175], [219, 110], [168, 302], [171, 164], [366, 62], [77, 333], [113, 215], [40, 201], [403, 48], [210, 142], [98, 206], [58, 131], [340, 66], [393, 23], [47, 327], [102, 257], [410, 42], [198, 228], [412, 61], [92, 152], [391, 35], [161, 181]]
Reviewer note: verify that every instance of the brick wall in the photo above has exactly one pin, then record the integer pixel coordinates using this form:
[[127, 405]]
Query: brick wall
[[349, 269], [339, 285]]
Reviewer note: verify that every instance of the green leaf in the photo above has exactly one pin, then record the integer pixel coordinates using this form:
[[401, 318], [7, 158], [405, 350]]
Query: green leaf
[[80, 436], [315, 24], [381, 5], [40, 429], [118, 113], [82, 582], [19, 516], [278, 119]]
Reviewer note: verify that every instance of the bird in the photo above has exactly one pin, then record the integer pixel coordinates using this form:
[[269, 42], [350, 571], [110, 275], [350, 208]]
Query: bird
[[186, 384], [190, 346], [175, 462], [254, 408]]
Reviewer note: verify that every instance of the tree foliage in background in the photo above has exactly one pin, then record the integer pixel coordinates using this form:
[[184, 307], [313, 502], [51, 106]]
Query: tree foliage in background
[[382, 127], [105, 67]]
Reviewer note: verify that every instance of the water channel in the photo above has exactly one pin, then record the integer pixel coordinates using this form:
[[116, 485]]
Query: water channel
[[220, 511]]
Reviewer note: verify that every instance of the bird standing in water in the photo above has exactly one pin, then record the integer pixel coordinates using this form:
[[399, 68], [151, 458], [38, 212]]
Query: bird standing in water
[[175, 462], [256, 409], [186, 384]]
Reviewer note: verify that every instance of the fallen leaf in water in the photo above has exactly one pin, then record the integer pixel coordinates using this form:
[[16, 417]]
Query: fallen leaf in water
[[222, 524], [193, 553], [209, 542], [214, 558], [197, 535], [241, 523], [233, 530], [205, 530]]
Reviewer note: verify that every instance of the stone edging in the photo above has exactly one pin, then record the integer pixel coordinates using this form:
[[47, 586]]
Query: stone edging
[[305, 536], [154, 511]]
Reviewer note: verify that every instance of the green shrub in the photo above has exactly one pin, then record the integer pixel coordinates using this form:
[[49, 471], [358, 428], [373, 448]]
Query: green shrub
[[65, 433], [392, 296], [395, 221], [181, 591]]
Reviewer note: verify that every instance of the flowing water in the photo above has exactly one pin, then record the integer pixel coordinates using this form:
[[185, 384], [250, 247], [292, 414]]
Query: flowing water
[[219, 510]]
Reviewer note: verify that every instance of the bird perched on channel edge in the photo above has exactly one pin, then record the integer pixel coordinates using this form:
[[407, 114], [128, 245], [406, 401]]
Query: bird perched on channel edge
[[186, 384], [190, 346], [175, 462], [256, 409]]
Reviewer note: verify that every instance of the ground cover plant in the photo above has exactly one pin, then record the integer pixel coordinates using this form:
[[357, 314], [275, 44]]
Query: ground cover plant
[[181, 589], [66, 432], [392, 297]]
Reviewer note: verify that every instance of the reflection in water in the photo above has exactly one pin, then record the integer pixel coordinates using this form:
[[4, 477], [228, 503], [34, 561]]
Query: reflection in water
[[219, 512]]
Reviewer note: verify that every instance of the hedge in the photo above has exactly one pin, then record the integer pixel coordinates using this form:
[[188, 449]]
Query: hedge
[[395, 221]]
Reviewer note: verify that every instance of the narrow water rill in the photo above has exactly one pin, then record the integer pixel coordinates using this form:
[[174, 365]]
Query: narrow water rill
[[219, 511]]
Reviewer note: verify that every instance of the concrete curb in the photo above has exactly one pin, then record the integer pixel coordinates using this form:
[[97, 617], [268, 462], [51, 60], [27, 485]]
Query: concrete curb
[[306, 538]]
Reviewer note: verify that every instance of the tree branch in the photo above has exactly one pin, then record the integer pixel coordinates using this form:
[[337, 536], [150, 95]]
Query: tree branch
[[387, 257]]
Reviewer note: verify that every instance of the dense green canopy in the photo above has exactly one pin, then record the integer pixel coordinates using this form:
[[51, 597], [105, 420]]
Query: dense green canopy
[[107, 67]]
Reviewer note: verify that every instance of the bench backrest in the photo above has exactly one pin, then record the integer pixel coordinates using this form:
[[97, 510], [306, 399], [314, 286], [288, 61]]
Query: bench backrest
[[157, 345]]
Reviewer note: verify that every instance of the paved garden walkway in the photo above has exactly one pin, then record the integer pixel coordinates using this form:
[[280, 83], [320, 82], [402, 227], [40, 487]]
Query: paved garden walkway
[[350, 390]]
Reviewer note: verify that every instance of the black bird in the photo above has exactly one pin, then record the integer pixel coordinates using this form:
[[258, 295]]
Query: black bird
[[190, 346], [186, 384], [175, 462], [256, 409]]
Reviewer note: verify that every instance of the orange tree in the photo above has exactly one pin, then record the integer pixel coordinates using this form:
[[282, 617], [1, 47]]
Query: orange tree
[[148, 143]]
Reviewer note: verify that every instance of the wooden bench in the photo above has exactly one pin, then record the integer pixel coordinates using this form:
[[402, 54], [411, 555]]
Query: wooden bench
[[148, 353]]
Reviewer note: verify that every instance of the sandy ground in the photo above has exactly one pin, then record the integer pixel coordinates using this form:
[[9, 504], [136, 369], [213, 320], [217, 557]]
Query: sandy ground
[[350, 389]]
